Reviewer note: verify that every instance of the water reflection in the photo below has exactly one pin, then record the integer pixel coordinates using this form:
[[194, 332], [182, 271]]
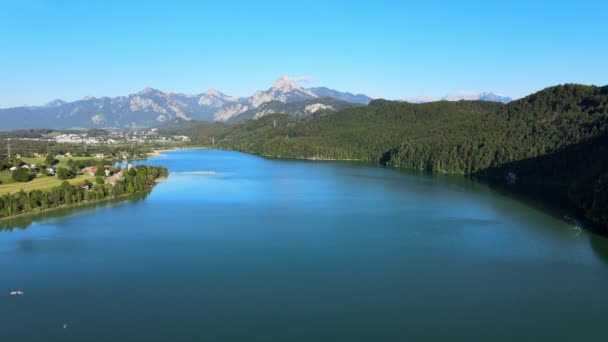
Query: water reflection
[[599, 245]]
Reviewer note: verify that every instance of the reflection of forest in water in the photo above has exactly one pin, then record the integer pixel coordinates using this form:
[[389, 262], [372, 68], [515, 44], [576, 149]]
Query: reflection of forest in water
[[25, 220], [546, 198], [599, 246], [550, 200]]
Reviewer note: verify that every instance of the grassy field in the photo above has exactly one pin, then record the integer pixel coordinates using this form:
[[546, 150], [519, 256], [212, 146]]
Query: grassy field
[[5, 177], [40, 183]]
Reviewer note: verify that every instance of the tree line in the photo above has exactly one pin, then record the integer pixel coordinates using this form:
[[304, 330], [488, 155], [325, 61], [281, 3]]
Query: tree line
[[137, 179]]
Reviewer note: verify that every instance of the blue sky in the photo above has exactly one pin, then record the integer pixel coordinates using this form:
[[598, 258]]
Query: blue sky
[[390, 49]]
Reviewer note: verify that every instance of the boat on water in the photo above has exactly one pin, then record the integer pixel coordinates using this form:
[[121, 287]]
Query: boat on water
[[16, 293]]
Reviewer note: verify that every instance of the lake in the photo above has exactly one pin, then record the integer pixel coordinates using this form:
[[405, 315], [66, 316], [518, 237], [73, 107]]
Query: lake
[[275, 250]]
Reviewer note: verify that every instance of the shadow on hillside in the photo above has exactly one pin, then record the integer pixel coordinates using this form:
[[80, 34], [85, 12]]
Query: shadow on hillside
[[564, 181]]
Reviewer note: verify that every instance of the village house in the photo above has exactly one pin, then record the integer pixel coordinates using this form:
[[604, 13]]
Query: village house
[[99, 155], [91, 170], [83, 186], [112, 180], [38, 155], [51, 170]]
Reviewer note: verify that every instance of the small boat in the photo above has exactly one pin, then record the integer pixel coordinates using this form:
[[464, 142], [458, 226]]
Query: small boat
[[16, 293]]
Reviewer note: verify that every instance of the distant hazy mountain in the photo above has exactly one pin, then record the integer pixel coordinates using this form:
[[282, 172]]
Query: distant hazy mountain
[[348, 97], [486, 96], [55, 103], [420, 99], [151, 107]]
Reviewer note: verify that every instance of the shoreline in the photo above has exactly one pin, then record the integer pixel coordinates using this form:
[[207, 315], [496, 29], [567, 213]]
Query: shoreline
[[69, 206], [303, 158], [75, 205], [159, 152]]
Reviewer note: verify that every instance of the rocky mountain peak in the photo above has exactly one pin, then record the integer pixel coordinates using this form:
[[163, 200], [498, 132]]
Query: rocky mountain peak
[[214, 92], [149, 91], [285, 84]]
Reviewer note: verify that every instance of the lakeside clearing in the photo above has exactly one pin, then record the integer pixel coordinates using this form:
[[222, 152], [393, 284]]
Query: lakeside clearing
[[8, 185]]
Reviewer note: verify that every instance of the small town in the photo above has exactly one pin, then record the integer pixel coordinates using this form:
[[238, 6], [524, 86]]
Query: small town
[[45, 170], [110, 137]]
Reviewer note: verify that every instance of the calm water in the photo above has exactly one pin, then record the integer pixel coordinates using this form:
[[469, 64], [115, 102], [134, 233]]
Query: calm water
[[269, 250]]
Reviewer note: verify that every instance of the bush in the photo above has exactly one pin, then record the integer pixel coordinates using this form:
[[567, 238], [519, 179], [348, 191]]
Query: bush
[[101, 171], [50, 160], [22, 175], [63, 173]]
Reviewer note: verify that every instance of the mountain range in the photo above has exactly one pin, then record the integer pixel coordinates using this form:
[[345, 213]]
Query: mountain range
[[151, 107]]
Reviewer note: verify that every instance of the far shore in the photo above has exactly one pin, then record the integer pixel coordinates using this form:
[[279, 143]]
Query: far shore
[[159, 152]]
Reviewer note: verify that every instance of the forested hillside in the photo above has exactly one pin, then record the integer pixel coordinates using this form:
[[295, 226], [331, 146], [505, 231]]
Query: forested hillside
[[554, 137]]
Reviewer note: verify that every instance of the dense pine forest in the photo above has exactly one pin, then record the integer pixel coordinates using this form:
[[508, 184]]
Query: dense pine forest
[[556, 137]]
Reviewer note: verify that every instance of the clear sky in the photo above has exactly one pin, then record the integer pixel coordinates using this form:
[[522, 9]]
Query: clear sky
[[391, 49]]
